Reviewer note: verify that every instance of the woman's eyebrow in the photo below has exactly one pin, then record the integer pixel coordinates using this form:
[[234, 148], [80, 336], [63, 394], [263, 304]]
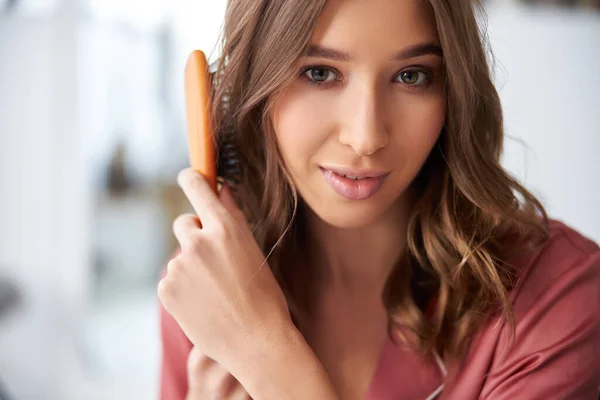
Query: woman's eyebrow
[[316, 50]]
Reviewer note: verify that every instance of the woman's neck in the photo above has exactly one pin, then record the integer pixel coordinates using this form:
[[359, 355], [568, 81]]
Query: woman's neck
[[358, 258]]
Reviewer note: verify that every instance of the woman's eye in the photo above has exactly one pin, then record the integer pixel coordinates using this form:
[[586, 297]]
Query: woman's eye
[[414, 78], [320, 75]]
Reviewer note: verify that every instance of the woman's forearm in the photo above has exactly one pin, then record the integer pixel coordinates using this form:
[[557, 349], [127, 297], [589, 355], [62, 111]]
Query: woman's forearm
[[286, 368]]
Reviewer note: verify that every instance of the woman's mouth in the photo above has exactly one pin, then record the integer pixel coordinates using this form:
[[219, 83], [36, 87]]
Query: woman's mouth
[[354, 184]]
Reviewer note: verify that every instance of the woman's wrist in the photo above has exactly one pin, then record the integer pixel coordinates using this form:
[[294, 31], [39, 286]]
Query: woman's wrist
[[284, 366]]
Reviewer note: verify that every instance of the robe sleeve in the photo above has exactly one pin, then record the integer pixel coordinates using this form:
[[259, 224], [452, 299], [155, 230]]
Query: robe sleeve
[[175, 350]]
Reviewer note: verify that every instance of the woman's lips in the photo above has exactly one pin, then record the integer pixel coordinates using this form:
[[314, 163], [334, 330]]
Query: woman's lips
[[352, 189]]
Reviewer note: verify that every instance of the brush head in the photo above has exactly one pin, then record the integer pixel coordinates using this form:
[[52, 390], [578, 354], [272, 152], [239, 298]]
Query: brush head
[[228, 156], [228, 162]]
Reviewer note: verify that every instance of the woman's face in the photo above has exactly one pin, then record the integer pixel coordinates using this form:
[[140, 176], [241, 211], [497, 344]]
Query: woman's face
[[368, 103]]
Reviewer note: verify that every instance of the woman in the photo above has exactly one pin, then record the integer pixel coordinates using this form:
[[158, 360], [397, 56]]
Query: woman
[[373, 247]]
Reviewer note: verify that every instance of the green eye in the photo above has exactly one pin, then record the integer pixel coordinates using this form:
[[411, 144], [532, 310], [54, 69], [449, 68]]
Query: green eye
[[413, 77], [319, 74]]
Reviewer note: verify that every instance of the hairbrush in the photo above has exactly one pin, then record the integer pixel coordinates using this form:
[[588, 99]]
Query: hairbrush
[[214, 158]]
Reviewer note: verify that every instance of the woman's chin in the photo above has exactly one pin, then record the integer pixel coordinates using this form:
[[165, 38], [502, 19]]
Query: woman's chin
[[348, 216]]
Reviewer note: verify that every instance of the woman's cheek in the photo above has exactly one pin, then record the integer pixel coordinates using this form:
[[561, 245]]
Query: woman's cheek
[[423, 123], [301, 126]]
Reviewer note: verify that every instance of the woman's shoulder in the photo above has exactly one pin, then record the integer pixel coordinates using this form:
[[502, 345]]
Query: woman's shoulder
[[570, 239], [554, 349], [564, 261], [556, 306]]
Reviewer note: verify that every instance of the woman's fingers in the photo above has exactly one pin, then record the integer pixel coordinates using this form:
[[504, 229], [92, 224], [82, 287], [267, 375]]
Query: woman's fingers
[[209, 380], [224, 385], [239, 393], [201, 196], [184, 227], [197, 362]]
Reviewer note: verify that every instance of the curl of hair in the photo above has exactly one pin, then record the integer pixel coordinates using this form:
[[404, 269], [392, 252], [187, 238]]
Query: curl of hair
[[470, 216]]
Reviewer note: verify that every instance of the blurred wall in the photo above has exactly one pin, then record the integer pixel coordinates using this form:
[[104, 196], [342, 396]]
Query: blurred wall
[[73, 82], [44, 201], [548, 76]]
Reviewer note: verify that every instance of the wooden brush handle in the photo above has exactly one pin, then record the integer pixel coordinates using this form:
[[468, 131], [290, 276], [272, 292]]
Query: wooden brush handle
[[201, 140]]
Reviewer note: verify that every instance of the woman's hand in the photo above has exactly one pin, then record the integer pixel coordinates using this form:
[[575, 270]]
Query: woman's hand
[[220, 289], [208, 380]]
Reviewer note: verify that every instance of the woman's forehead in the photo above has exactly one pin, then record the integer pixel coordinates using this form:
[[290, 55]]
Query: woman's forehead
[[375, 26]]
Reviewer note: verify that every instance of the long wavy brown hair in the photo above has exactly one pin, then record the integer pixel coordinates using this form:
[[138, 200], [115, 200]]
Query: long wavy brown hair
[[468, 211]]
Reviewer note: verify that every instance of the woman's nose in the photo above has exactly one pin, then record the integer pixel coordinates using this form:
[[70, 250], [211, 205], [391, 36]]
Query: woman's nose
[[364, 129]]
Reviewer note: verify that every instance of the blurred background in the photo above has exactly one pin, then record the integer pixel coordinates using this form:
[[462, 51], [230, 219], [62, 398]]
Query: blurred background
[[92, 135]]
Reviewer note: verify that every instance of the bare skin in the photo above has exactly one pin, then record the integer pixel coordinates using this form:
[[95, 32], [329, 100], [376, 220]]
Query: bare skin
[[364, 115], [347, 337], [376, 111]]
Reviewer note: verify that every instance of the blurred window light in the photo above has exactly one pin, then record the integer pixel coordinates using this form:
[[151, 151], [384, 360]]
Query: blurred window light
[[197, 24], [29, 7], [142, 15]]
